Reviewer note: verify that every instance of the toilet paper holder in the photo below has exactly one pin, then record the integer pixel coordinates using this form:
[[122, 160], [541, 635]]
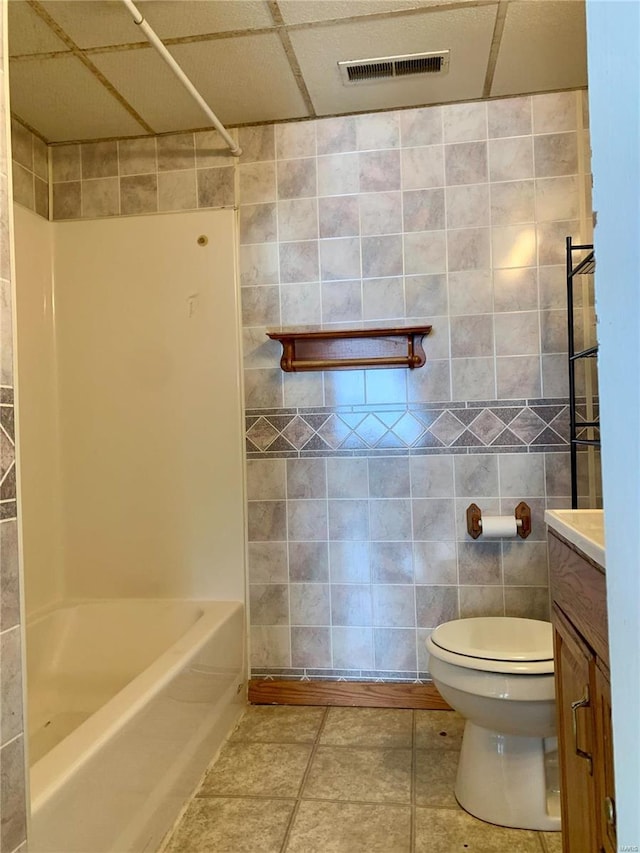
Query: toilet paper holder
[[522, 514]]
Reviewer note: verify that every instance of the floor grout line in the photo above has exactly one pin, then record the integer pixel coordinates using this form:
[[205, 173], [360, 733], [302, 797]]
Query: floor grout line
[[303, 782]]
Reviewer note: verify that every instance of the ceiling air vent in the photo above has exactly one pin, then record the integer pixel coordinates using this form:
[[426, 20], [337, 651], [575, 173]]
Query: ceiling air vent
[[389, 67]]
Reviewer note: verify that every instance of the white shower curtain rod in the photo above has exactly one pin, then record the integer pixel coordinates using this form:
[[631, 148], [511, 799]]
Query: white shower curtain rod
[[138, 19]]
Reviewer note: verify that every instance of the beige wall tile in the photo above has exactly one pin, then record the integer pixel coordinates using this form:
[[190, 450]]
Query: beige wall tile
[[23, 186], [177, 190], [139, 194], [67, 201], [100, 197], [99, 159], [65, 163], [176, 151], [137, 156]]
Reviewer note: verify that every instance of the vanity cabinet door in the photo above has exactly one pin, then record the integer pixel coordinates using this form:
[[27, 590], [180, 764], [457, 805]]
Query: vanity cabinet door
[[604, 769], [575, 696]]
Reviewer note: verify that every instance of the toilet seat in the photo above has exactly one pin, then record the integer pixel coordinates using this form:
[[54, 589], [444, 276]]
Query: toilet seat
[[495, 644]]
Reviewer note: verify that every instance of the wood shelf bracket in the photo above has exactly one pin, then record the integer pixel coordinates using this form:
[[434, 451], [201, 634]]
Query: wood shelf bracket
[[307, 348]]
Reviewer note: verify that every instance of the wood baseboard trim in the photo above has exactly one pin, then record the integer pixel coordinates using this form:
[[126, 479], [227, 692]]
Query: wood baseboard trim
[[362, 694]]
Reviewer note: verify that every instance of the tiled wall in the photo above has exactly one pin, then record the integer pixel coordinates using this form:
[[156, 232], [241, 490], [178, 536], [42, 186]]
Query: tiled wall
[[12, 770], [184, 171], [30, 170], [358, 480]]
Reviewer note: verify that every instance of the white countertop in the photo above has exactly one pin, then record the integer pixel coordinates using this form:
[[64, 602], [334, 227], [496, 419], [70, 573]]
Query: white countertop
[[582, 527]]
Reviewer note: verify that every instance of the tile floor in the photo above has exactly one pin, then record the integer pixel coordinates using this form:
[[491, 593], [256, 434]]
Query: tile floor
[[341, 780]]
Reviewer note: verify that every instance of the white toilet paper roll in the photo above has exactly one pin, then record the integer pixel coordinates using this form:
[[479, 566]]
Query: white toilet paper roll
[[499, 525]]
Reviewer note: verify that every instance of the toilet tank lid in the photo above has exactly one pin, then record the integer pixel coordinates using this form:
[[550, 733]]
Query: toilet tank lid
[[497, 638]]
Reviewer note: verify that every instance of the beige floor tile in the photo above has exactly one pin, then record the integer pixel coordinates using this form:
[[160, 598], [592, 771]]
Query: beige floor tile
[[257, 770], [321, 827], [436, 778], [551, 842], [368, 727], [221, 825], [360, 775], [439, 730], [450, 831], [281, 724]]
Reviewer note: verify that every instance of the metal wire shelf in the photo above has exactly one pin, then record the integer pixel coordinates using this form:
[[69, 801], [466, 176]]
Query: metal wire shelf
[[585, 266]]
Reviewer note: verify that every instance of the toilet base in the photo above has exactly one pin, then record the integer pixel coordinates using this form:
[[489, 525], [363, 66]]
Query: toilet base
[[502, 780]]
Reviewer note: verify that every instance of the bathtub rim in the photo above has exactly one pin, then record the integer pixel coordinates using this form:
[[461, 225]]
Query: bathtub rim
[[59, 764]]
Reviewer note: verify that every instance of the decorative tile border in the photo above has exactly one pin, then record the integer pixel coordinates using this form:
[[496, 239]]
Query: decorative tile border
[[459, 427], [382, 676], [7, 456]]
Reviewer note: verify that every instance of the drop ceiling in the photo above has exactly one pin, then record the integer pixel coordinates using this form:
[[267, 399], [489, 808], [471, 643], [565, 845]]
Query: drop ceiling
[[81, 69]]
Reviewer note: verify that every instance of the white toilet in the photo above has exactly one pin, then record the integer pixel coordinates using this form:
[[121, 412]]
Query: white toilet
[[498, 673]]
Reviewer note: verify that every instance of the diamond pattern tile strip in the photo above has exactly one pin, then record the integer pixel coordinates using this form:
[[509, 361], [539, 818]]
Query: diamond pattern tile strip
[[298, 432], [468, 439], [466, 416], [279, 421], [334, 431], [353, 442], [447, 428], [507, 413], [527, 425], [281, 444], [486, 426], [390, 440], [316, 443], [316, 421], [389, 418], [507, 439], [428, 440], [548, 413], [7, 453], [8, 485], [560, 424], [262, 434], [548, 436], [352, 419], [457, 427], [427, 417], [408, 429], [371, 430], [7, 421]]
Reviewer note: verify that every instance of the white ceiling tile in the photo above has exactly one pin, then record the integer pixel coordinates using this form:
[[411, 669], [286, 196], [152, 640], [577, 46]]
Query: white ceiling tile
[[194, 17], [306, 11], [95, 23], [245, 79], [152, 89], [543, 47], [64, 101], [466, 32], [92, 23], [28, 33]]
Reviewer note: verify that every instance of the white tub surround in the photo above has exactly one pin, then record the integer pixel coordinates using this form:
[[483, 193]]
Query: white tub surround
[[130, 701]]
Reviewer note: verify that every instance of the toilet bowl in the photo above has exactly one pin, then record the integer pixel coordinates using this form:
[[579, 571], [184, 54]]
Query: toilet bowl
[[497, 672]]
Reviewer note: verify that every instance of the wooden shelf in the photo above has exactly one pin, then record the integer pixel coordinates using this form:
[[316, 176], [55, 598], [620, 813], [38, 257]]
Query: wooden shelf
[[314, 348]]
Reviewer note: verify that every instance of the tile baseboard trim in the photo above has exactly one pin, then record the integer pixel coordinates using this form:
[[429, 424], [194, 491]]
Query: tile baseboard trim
[[360, 694]]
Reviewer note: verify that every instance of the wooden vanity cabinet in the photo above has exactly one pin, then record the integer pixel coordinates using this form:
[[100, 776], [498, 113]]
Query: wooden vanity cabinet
[[583, 703], [604, 769]]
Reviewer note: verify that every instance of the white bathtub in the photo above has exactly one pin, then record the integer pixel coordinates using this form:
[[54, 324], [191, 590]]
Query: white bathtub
[[128, 702]]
